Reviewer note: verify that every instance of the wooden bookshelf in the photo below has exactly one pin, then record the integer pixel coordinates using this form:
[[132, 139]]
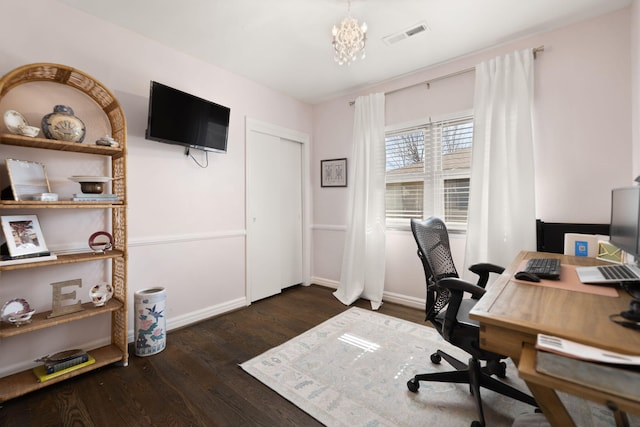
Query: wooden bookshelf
[[116, 309]]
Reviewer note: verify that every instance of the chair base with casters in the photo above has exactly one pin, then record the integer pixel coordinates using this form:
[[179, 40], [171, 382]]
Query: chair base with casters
[[476, 376]]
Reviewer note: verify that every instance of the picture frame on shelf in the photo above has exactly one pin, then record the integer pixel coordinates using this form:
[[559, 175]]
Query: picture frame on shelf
[[23, 236], [333, 173], [28, 179]]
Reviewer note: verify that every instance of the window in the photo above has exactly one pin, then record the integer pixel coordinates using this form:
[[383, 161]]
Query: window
[[427, 172]]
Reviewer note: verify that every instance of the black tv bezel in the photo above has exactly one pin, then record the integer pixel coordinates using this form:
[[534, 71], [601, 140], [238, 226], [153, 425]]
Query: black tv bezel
[[148, 131]]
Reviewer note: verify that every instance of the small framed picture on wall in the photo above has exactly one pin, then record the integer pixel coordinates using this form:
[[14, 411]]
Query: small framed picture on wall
[[333, 173]]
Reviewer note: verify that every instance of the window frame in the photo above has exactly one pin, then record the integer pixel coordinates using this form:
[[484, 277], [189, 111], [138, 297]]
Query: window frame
[[440, 176]]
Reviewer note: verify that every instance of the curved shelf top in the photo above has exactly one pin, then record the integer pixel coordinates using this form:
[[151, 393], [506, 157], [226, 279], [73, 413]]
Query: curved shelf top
[[74, 78]]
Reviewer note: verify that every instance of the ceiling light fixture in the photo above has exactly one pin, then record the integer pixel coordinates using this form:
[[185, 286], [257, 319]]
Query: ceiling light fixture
[[349, 39]]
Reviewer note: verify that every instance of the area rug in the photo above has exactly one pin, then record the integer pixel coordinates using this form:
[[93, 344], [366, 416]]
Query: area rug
[[352, 370]]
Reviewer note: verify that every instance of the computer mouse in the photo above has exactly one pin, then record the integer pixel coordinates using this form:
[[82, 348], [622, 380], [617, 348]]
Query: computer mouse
[[525, 275]]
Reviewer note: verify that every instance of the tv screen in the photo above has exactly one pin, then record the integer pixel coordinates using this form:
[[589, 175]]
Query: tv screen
[[625, 219], [176, 117]]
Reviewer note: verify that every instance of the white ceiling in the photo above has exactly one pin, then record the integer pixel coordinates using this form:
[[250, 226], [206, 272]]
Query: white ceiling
[[286, 44]]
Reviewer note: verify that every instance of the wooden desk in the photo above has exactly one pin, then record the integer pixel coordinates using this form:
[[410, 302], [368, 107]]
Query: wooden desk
[[512, 314]]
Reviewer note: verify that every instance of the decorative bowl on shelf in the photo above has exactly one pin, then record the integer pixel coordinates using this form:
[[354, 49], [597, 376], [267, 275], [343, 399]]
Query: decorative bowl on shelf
[[13, 120], [101, 293], [91, 184], [17, 124], [17, 312], [31, 131]]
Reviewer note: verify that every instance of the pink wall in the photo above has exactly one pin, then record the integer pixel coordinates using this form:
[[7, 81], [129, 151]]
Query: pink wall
[[582, 136], [186, 224], [635, 84]]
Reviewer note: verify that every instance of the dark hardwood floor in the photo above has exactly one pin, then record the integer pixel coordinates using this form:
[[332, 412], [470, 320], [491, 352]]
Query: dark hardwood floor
[[196, 380]]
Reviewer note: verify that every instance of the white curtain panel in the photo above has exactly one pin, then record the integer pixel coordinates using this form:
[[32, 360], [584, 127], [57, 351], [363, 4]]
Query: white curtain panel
[[363, 262], [501, 219]]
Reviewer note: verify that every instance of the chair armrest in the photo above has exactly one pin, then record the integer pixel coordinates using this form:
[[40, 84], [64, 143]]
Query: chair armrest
[[488, 267], [457, 287], [483, 270], [456, 284]]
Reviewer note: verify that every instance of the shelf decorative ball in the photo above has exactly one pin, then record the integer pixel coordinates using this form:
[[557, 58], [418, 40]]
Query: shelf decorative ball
[[62, 125]]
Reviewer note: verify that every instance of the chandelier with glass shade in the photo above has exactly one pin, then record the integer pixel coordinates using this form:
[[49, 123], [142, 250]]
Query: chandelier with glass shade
[[349, 39]]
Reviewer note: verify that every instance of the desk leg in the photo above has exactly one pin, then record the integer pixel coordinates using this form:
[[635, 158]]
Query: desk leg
[[551, 406], [621, 418]]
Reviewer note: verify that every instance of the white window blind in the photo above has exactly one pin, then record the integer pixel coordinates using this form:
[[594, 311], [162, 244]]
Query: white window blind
[[428, 170]]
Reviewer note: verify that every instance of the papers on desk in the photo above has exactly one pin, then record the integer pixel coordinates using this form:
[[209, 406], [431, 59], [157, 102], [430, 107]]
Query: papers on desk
[[574, 363], [584, 352]]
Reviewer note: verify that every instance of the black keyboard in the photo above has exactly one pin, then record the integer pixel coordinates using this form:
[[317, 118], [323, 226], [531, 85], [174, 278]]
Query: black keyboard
[[544, 268]]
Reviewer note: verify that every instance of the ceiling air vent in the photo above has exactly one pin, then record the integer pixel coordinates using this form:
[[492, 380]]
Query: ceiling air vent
[[405, 34]]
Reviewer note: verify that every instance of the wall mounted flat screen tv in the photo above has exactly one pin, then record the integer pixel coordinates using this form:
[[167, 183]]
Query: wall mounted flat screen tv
[[179, 118]]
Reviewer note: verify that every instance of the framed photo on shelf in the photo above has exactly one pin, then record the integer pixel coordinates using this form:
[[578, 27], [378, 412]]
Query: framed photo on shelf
[[333, 173], [28, 179], [23, 236]]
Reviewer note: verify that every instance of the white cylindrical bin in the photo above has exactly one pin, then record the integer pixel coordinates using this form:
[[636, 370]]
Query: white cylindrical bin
[[150, 321]]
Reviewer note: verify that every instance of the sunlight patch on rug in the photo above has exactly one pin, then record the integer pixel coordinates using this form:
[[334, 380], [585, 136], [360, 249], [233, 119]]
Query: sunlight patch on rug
[[352, 370]]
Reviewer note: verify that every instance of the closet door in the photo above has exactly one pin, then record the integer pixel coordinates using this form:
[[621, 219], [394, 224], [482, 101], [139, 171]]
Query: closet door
[[274, 214]]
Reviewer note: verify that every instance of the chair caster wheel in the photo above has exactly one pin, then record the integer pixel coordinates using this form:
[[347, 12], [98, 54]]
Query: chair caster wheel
[[502, 372], [436, 358], [413, 385]]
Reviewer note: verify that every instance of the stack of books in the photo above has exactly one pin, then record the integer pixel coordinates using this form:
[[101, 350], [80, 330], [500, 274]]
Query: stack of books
[[87, 197], [62, 363]]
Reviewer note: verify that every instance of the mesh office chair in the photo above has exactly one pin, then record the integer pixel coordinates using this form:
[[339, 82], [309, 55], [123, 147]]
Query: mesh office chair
[[448, 311]]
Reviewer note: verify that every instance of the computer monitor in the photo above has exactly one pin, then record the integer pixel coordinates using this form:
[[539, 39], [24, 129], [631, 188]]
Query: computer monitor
[[625, 220]]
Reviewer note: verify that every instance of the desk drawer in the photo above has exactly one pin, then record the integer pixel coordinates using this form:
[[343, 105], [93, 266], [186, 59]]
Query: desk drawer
[[504, 341]]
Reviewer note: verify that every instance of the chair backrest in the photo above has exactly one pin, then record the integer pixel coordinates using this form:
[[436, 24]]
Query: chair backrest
[[434, 251]]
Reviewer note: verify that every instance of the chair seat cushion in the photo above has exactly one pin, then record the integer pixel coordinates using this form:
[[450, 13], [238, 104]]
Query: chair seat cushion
[[463, 314]]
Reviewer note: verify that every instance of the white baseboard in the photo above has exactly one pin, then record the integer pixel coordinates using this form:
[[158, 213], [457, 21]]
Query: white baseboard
[[403, 300], [198, 315], [333, 284], [386, 296]]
